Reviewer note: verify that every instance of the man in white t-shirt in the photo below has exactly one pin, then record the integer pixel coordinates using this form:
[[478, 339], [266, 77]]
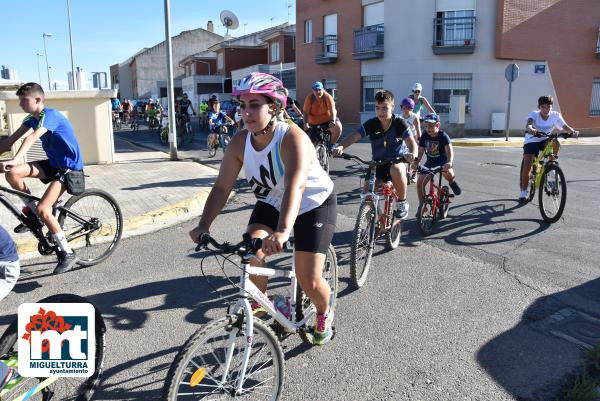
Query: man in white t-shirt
[[544, 120]]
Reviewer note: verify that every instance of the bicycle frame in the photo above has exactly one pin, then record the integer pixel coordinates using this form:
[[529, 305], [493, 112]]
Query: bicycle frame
[[249, 290], [435, 191], [386, 190], [541, 160]]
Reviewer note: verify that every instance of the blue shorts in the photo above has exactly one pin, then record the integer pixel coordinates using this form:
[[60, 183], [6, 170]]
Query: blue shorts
[[533, 148]]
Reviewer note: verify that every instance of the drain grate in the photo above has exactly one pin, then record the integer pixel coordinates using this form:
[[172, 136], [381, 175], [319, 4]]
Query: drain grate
[[497, 165]]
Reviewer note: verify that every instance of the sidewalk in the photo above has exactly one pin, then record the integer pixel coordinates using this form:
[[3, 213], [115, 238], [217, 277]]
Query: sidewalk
[[152, 191], [513, 142]]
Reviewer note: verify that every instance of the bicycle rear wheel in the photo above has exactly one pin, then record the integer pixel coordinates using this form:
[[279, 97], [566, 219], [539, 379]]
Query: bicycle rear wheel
[[361, 249], [426, 216], [552, 193], [392, 237], [93, 225], [303, 303], [198, 368], [65, 388]]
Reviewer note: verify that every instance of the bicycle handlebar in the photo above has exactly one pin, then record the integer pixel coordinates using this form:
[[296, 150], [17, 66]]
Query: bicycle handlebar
[[550, 135], [247, 245], [399, 159]]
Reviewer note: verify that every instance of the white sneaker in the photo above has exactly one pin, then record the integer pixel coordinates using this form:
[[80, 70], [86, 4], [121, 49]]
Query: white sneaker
[[402, 210], [523, 195]]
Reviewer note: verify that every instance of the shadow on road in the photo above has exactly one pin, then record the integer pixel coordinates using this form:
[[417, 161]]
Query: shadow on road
[[532, 360]]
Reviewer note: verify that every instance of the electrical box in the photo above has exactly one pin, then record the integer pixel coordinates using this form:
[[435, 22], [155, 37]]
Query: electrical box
[[498, 122], [457, 109]]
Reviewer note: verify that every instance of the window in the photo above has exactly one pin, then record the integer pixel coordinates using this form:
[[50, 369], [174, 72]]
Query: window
[[455, 28], [595, 103], [308, 31], [220, 61], [330, 86], [274, 52], [445, 85], [370, 85]]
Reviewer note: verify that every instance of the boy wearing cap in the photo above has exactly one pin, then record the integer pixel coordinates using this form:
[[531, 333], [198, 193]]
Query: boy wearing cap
[[437, 146], [319, 110]]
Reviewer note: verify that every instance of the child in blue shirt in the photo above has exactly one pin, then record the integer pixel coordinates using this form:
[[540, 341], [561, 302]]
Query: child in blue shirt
[[437, 146], [64, 158]]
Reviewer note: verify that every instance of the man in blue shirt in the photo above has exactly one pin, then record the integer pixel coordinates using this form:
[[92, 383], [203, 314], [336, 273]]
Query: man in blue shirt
[[64, 158]]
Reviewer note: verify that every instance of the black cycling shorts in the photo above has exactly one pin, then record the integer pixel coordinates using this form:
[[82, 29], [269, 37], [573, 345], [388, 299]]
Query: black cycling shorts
[[313, 230], [51, 173]]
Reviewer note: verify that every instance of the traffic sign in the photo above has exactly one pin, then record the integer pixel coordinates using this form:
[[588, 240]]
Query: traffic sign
[[512, 72]]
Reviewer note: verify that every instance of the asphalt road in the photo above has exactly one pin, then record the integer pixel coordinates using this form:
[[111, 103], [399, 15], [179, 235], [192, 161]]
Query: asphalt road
[[489, 307]]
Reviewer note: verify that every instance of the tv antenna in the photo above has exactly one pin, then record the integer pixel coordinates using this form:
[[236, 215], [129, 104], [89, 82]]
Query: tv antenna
[[229, 20]]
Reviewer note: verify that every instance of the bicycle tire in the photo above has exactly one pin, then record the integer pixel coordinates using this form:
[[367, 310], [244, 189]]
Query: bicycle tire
[[330, 272], [180, 136], [83, 391], [226, 141], [392, 236], [558, 191], [163, 136], [530, 184], [426, 217], [100, 243], [179, 376], [322, 157], [212, 149], [190, 132], [444, 204], [362, 237]]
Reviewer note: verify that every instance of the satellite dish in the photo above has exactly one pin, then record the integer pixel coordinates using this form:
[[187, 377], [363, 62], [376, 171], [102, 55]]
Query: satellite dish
[[229, 20]]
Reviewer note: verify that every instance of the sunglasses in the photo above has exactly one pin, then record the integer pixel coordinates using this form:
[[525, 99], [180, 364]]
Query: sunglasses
[[416, 91]]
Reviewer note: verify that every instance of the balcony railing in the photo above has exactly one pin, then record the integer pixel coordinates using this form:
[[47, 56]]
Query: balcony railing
[[454, 35], [598, 45], [368, 42], [326, 49]]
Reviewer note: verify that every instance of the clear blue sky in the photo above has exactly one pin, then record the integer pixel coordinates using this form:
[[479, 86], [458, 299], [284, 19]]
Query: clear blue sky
[[109, 31]]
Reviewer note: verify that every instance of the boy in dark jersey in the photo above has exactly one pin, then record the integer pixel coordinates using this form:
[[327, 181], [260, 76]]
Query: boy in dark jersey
[[64, 157], [390, 137]]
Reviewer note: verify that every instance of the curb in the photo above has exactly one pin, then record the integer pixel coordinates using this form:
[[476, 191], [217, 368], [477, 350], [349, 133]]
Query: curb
[[507, 144]]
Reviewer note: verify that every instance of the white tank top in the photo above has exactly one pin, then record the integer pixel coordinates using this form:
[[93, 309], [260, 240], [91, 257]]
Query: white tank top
[[410, 120], [265, 170]]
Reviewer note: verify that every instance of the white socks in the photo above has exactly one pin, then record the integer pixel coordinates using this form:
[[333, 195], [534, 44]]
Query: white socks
[[61, 241]]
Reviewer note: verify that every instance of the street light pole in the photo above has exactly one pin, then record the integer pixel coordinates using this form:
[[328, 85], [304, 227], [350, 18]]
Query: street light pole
[[44, 35], [170, 90], [37, 56], [74, 81]]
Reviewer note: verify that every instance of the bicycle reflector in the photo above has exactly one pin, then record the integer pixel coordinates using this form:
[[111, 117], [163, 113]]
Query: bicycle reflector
[[197, 377]]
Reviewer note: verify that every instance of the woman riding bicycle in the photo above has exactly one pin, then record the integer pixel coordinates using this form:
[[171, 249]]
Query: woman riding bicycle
[[291, 189]]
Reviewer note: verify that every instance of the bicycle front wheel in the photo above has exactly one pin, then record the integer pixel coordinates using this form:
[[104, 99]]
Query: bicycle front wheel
[[212, 144], [65, 388], [426, 216], [303, 302], [226, 140], [392, 237], [322, 157], [163, 135], [199, 369], [552, 193], [93, 225], [361, 249]]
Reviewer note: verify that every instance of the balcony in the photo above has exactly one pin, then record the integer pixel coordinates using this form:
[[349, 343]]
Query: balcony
[[453, 35], [326, 49], [368, 42]]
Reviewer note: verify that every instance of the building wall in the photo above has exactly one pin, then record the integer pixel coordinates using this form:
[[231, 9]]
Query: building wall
[[565, 34], [203, 69], [125, 81], [239, 58], [346, 70], [150, 66], [289, 49]]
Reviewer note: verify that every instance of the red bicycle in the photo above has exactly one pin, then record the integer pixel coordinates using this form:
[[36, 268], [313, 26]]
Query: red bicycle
[[436, 200], [373, 221]]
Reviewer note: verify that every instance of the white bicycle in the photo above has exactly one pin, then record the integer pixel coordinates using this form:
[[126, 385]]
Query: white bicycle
[[240, 357]]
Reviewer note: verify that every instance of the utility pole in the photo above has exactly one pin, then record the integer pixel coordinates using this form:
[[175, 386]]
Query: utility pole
[[44, 36], [170, 89], [71, 46]]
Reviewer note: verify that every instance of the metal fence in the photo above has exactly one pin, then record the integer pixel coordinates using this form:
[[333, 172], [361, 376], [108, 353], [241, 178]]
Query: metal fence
[[368, 39], [454, 31], [327, 46], [595, 102]]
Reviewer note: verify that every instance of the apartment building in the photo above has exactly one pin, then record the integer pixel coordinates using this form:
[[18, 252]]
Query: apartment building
[[454, 48]]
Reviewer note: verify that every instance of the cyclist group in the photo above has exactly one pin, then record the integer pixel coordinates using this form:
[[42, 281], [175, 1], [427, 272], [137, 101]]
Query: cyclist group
[[293, 192]]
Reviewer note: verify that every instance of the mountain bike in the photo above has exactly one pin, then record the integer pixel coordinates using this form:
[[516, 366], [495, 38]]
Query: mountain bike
[[548, 178], [221, 141], [184, 129], [321, 138], [51, 388], [153, 123], [436, 200], [116, 120], [92, 223], [239, 355], [373, 221]]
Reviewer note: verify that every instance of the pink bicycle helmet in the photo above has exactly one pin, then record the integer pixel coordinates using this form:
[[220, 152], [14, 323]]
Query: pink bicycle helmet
[[264, 84]]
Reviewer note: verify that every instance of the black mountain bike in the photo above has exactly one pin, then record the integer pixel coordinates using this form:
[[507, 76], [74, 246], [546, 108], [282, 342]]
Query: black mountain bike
[[92, 223]]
